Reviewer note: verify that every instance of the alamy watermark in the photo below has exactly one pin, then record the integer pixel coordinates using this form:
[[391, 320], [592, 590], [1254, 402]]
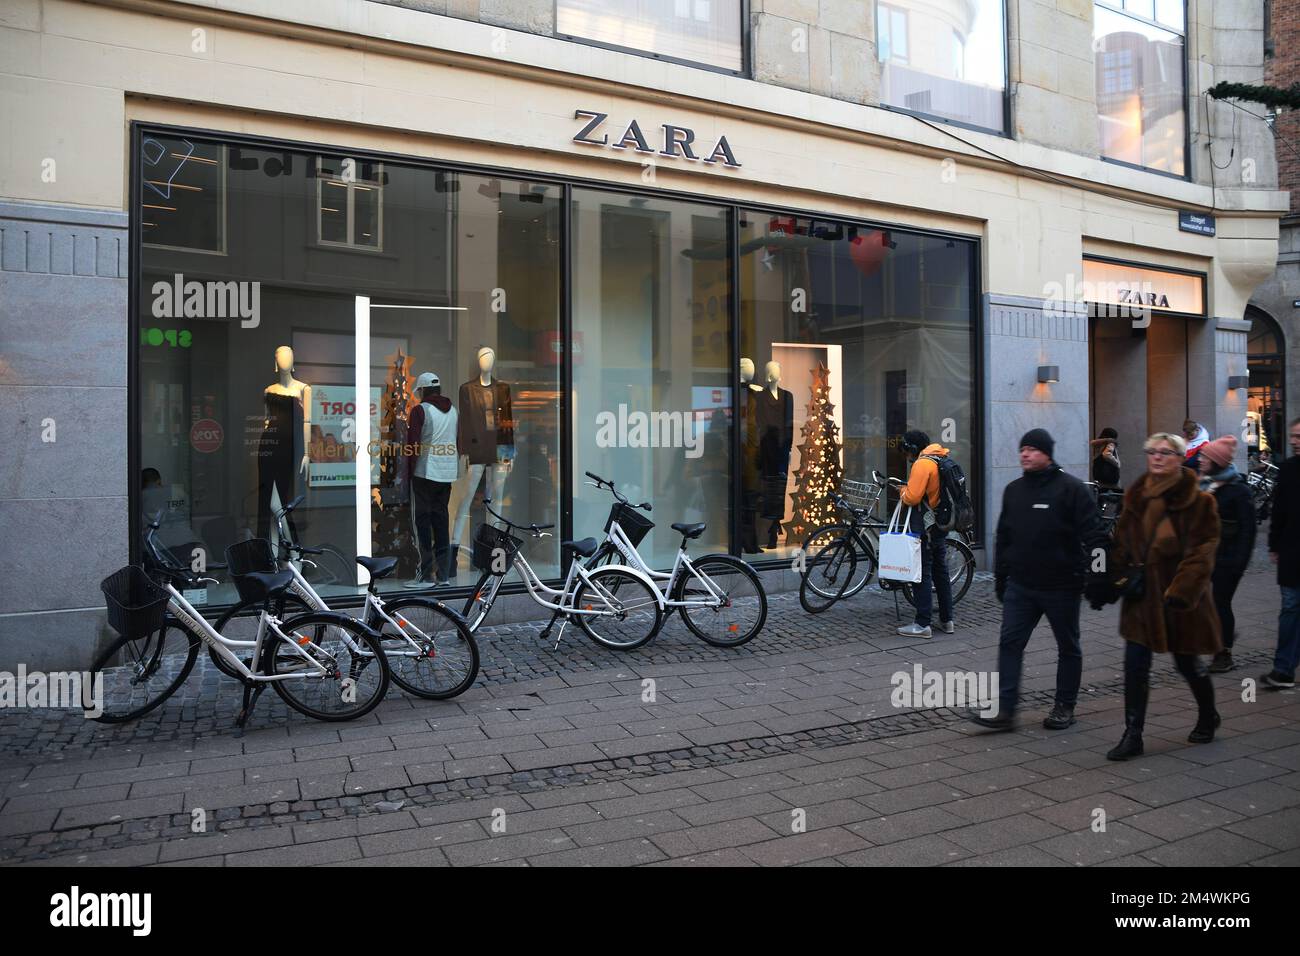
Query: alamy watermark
[[58, 689], [957, 689], [1107, 300], [209, 299], [634, 429]]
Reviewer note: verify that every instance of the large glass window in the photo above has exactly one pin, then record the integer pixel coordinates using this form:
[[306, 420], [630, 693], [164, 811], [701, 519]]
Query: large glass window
[[652, 364], [289, 366], [849, 336], [944, 58], [1141, 95], [706, 32]]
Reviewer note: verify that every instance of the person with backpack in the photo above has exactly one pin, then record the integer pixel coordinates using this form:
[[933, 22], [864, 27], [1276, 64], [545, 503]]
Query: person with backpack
[[1048, 532], [923, 492], [1236, 536]]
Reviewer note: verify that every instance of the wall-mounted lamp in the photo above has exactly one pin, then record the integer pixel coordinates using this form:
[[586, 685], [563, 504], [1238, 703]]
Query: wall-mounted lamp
[[1049, 373], [1238, 381]]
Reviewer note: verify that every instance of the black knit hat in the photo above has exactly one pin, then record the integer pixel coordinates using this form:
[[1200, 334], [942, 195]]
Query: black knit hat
[[915, 438], [1040, 439]]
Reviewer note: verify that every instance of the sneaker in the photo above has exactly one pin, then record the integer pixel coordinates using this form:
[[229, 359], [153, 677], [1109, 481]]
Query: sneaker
[[947, 627], [914, 630], [1060, 718], [1000, 723], [444, 583], [1277, 680], [416, 582], [1222, 663]]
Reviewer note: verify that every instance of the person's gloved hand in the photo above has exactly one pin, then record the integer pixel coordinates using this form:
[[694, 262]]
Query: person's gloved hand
[[1175, 603], [1000, 588], [1098, 592]]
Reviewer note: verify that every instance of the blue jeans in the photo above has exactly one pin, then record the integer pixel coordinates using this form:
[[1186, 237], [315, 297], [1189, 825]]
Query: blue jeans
[[934, 568], [1022, 609], [1288, 633]]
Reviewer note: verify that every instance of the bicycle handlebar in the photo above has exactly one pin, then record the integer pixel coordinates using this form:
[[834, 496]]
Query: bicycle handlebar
[[534, 529], [599, 482]]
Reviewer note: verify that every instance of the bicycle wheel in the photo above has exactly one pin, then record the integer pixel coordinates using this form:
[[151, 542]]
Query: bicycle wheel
[[356, 676], [240, 624], [480, 601], [829, 565], [961, 571], [630, 609], [431, 652], [139, 673], [743, 609], [868, 563]]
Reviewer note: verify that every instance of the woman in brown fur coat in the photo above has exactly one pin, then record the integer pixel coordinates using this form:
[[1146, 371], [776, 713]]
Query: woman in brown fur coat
[[1172, 527]]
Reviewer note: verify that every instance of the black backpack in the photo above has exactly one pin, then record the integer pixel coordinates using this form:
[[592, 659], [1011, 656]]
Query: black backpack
[[954, 511]]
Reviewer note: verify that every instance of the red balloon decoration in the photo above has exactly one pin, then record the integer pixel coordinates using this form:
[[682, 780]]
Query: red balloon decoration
[[868, 251]]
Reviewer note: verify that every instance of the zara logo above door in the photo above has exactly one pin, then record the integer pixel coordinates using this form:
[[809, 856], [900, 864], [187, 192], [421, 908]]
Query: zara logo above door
[[676, 141]]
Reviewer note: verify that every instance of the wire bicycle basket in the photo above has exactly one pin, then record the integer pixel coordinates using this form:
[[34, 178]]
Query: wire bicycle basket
[[488, 542], [861, 494], [136, 605], [634, 524]]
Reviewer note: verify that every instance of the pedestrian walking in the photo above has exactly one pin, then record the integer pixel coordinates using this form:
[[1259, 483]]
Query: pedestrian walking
[[1236, 507], [1047, 534], [922, 493], [1105, 462], [1167, 535], [1284, 551]]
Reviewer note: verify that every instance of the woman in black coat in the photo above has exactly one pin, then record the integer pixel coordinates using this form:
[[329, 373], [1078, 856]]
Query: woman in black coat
[[1236, 535]]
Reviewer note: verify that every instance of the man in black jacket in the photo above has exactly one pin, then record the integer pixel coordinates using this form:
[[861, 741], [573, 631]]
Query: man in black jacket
[[1048, 532], [1284, 551]]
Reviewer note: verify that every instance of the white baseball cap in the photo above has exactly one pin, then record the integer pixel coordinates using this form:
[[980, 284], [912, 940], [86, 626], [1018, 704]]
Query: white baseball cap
[[427, 380]]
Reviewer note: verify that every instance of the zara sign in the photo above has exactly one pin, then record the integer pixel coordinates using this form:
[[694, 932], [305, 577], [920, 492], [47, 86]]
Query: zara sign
[[676, 141]]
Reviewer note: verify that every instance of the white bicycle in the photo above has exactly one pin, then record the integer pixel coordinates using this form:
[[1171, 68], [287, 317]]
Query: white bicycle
[[323, 664], [616, 606], [719, 597], [430, 651]]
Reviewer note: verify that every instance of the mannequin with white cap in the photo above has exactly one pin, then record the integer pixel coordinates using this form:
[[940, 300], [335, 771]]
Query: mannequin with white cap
[[486, 439], [431, 467]]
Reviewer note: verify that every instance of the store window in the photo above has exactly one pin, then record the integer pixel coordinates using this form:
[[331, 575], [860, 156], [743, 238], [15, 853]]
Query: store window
[[944, 58], [652, 364], [183, 194], [1141, 83], [849, 336], [1266, 397], [261, 377], [703, 32]]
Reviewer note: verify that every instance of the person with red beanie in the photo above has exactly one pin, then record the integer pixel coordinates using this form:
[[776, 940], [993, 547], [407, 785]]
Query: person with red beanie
[[1236, 535]]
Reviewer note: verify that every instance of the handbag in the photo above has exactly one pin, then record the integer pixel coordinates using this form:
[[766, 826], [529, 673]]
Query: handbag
[[900, 550], [1129, 583]]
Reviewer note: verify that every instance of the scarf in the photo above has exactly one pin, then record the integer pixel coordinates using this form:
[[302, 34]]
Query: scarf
[[1213, 481]]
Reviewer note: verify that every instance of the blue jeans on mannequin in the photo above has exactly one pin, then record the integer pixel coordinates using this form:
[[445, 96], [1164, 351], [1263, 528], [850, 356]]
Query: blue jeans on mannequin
[[1022, 609], [934, 568]]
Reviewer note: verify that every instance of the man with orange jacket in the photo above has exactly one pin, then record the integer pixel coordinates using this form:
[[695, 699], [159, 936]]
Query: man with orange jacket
[[922, 493]]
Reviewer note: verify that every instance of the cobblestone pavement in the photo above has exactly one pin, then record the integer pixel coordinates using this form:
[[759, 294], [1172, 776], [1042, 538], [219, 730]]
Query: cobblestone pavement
[[787, 751]]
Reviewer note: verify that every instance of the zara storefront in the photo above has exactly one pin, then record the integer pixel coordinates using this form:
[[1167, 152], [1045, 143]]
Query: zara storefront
[[728, 361]]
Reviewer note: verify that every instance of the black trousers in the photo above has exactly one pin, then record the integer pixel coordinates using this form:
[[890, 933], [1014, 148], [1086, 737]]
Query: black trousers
[[275, 469], [429, 516], [1223, 582]]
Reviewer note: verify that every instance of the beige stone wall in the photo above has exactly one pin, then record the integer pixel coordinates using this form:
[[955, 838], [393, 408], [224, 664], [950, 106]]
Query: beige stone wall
[[354, 72]]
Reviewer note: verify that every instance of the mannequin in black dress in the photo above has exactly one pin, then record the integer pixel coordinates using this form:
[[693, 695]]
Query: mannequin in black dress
[[774, 432], [286, 433]]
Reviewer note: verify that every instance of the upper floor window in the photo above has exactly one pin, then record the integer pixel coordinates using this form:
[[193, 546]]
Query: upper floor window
[[701, 32], [349, 203], [1141, 82], [944, 58]]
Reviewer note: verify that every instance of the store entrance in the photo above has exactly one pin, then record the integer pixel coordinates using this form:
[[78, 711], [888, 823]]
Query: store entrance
[[1117, 359]]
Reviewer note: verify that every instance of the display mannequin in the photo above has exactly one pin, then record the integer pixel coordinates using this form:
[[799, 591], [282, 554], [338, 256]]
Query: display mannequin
[[286, 436], [774, 435], [749, 459], [431, 468], [485, 437]]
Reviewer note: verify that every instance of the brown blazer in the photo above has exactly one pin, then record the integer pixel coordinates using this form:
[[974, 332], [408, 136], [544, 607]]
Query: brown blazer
[[1176, 612]]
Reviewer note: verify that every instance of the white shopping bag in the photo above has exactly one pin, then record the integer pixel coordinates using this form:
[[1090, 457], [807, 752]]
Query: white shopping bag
[[900, 550]]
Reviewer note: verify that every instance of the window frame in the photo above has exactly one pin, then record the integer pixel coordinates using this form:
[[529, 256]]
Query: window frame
[[746, 35], [223, 250], [1006, 131], [376, 184]]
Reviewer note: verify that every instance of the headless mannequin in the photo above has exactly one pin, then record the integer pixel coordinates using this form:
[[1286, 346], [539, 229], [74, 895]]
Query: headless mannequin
[[749, 458], [288, 420], [472, 472], [774, 436]]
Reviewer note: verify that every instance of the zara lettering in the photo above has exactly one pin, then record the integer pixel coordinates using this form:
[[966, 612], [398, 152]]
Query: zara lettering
[[676, 142]]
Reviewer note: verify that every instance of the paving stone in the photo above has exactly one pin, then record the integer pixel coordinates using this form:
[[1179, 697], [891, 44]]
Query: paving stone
[[802, 847], [928, 850], [1215, 848], [1088, 848]]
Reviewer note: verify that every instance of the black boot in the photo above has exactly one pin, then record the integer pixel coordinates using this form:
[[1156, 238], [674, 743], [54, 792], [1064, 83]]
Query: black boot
[[1208, 719], [1135, 715]]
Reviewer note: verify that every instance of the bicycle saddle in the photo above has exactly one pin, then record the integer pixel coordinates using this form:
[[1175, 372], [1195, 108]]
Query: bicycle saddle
[[378, 567], [260, 585], [689, 530], [586, 547]]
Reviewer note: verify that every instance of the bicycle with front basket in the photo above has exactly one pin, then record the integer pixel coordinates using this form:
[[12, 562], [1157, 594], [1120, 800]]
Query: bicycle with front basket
[[616, 606], [323, 664], [720, 598], [431, 652]]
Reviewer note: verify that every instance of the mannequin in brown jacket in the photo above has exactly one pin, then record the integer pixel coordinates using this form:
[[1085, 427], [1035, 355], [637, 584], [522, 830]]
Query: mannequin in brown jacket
[[1172, 527]]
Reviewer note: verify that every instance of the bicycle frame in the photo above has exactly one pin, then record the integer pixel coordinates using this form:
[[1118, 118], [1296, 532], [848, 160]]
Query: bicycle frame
[[268, 624], [681, 566], [563, 603]]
